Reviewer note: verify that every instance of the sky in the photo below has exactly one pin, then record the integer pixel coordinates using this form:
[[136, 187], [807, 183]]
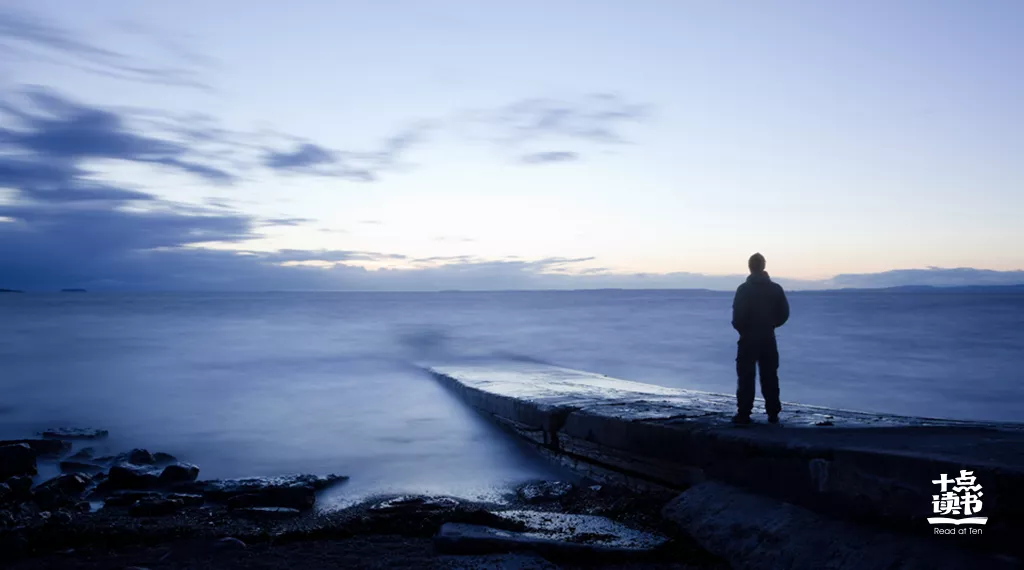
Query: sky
[[421, 145]]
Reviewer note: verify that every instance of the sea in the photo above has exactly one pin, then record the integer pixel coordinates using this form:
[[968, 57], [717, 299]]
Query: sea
[[254, 384]]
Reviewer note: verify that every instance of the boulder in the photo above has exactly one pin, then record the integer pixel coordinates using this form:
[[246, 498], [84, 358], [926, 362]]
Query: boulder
[[60, 491], [127, 476], [299, 497], [137, 457], [290, 491], [156, 507], [60, 517], [163, 459], [42, 447], [18, 459], [21, 488], [74, 433], [544, 492], [76, 467], [6, 495], [84, 454], [179, 473]]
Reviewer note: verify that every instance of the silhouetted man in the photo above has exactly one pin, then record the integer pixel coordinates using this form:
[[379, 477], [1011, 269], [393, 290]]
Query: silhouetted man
[[760, 306]]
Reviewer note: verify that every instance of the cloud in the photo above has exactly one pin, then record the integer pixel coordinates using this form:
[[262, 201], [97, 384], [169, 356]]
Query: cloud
[[30, 38], [64, 226], [577, 124], [286, 221], [549, 157], [48, 136], [305, 157], [357, 166], [595, 118]]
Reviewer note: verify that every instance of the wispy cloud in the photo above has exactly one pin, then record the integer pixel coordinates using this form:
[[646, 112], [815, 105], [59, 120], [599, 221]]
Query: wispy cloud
[[357, 166], [575, 124], [549, 157], [27, 37]]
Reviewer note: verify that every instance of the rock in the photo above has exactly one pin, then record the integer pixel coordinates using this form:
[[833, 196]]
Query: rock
[[84, 454], [162, 458], [179, 473], [188, 499], [460, 538], [74, 433], [298, 497], [544, 491], [127, 476], [139, 457], [156, 507], [21, 488], [18, 459], [752, 532], [82, 507], [598, 530], [408, 503], [291, 491], [129, 498], [42, 447], [76, 467], [230, 543], [61, 490], [267, 513], [61, 517], [6, 495]]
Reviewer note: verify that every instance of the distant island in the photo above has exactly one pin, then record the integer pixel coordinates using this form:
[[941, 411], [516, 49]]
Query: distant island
[[72, 290], [9, 291]]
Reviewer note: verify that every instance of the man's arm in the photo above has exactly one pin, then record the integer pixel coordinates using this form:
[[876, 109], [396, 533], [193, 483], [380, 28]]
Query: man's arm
[[782, 309], [738, 309]]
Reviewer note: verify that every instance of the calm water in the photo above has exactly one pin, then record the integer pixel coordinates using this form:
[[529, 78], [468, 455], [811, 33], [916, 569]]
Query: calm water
[[254, 384]]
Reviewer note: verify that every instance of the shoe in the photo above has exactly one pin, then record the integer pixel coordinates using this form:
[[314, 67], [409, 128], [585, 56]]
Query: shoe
[[773, 419], [741, 419]]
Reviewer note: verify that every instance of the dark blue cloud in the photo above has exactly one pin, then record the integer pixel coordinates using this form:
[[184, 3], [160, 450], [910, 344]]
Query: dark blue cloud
[[55, 130]]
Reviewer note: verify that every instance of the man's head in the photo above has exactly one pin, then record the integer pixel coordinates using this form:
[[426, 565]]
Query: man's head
[[756, 264]]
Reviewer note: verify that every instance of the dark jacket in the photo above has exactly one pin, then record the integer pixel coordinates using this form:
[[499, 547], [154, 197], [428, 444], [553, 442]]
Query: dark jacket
[[760, 306]]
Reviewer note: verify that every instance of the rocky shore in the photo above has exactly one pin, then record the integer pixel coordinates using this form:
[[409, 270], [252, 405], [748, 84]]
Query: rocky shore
[[142, 509]]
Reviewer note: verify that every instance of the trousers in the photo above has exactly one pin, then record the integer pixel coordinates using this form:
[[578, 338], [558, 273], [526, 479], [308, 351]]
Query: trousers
[[752, 354]]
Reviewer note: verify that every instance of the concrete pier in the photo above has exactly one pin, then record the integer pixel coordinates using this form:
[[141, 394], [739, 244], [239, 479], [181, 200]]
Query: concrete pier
[[868, 468]]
